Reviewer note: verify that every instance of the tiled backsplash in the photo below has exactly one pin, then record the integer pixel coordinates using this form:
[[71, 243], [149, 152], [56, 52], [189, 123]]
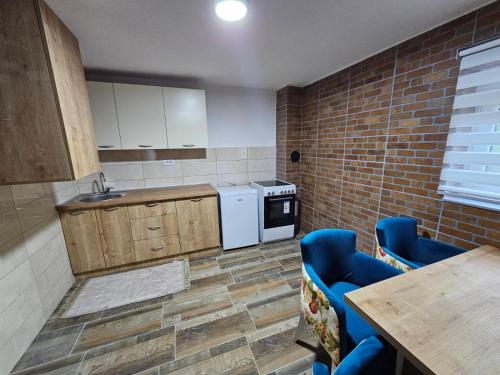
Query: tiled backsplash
[[34, 267], [221, 166]]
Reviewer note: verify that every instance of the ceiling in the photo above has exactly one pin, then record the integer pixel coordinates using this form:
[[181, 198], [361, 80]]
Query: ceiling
[[280, 42]]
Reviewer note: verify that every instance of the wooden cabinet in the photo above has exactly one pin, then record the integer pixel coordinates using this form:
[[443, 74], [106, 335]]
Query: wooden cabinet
[[141, 116], [159, 247], [102, 104], [186, 117], [116, 237], [155, 226], [198, 223], [151, 209], [82, 240], [46, 131]]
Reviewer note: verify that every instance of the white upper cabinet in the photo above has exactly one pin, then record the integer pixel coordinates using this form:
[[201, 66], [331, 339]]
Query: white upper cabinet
[[102, 105], [186, 117], [141, 116]]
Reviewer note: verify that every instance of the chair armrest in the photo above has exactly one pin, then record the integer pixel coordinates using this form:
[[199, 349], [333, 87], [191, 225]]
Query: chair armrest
[[431, 251], [402, 260], [368, 270], [371, 356]]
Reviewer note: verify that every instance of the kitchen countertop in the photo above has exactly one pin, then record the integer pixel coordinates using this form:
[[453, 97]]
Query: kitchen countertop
[[143, 196]]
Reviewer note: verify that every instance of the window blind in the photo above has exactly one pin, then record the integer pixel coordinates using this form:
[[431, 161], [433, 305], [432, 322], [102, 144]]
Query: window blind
[[471, 165]]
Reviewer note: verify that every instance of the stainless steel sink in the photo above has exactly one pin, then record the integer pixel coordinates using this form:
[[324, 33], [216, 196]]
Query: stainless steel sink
[[91, 198]]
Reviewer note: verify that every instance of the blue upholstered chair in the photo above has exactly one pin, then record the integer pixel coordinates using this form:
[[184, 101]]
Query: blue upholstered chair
[[332, 267], [371, 357], [399, 245]]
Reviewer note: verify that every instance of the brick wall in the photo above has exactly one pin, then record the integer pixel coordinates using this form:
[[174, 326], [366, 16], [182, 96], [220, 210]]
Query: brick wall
[[372, 139]]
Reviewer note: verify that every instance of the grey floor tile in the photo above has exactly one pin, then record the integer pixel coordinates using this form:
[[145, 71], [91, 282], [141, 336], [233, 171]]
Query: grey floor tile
[[57, 323], [290, 263], [275, 309], [65, 366], [240, 258], [253, 290], [49, 346], [256, 270], [198, 306], [231, 358], [203, 268], [203, 336], [205, 286], [137, 305]]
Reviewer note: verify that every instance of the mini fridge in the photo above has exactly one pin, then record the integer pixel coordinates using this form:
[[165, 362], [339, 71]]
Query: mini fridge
[[239, 216]]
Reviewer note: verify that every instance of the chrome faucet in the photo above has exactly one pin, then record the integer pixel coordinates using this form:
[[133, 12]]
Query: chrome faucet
[[100, 185]]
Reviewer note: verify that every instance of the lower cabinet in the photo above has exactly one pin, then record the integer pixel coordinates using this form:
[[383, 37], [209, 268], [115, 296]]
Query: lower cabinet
[[116, 237], [102, 238], [198, 223], [83, 240]]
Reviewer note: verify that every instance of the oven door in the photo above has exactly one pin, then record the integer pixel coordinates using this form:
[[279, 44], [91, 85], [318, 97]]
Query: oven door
[[279, 211]]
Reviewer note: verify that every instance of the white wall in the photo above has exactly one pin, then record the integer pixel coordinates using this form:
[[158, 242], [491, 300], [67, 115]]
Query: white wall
[[241, 117]]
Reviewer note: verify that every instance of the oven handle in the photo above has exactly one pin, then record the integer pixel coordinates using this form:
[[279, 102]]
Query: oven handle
[[280, 199]]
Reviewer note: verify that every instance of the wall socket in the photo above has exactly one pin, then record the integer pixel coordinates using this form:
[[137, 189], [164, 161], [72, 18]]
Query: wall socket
[[169, 163]]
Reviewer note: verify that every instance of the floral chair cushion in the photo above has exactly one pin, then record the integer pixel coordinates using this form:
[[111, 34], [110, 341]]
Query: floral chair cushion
[[384, 257], [320, 316]]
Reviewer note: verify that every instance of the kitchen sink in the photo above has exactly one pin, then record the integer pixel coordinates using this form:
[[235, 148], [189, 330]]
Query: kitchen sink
[[91, 198]]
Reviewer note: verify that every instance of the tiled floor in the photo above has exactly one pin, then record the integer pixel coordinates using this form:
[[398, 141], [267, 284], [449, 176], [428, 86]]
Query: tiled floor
[[238, 317]]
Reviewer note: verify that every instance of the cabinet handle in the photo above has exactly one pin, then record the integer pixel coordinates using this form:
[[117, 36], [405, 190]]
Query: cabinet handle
[[196, 199], [106, 146], [154, 228], [77, 213], [158, 248], [151, 204], [145, 146], [188, 145], [111, 209]]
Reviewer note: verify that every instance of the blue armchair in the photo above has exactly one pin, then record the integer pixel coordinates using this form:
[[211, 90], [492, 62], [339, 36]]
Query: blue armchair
[[399, 245], [371, 357], [332, 267]]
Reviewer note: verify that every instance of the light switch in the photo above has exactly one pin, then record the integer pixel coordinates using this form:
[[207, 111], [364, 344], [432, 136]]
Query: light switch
[[169, 163]]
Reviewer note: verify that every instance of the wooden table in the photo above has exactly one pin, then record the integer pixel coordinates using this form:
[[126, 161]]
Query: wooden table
[[444, 318]]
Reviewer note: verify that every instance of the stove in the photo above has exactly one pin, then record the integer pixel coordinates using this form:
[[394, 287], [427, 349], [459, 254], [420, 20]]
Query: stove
[[276, 209]]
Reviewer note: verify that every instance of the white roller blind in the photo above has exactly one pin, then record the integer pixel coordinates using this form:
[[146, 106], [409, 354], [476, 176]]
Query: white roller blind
[[471, 166]]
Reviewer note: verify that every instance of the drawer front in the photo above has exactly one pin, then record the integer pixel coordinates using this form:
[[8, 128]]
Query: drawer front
[[157, 247], [151, 209], [154, 226]]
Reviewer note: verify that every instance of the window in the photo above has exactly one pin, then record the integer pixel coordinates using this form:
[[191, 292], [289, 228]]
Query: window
[[471, 166]]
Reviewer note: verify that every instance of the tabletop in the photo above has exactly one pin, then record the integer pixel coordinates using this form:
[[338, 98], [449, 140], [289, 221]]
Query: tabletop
[[445, 317]]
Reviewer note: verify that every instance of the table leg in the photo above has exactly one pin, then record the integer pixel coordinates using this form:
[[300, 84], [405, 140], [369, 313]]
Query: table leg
[[399, 363]]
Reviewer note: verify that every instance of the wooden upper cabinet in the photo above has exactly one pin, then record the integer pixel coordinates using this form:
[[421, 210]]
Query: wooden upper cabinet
[[46, 130], [186, 117], [102, 104], [198, 220], [141, 116]]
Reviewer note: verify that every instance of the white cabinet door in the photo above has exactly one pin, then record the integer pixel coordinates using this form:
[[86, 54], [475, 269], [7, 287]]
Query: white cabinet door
[[186, 116], [102, 105], [141, 116]]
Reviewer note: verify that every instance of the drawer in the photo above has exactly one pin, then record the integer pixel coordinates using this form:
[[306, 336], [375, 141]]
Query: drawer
[[154, 226], [151, 209], [157, 247]]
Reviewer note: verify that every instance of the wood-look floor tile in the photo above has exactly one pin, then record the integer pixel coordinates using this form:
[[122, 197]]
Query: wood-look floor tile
[[253, 290], [231, 358], [137, 305], [57, 323], [281, 251], [198, 306], [205, 286], [203, 336], [131, 356], [301, 367], [65, 366], [276, 351], [290, 263], [203, 268], [293, 277], [256, 270], [240, 259], [275, 309], [49, 346], [119, 327]]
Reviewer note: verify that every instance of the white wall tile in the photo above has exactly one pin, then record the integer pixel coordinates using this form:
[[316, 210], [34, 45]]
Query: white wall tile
[[262, 152], [232, 166], [47, 255], [231, 153], [40, 235], [196, 180], [14, 283], [158, 170], [121, 171], [9, 226], [232, 179], [36, 212], [163, 182], [263, 165], [198, 168], [12, 254], [259, 176], [126, 185]]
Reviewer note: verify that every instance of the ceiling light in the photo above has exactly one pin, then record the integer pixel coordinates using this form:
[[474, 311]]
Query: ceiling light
[[231, 10]]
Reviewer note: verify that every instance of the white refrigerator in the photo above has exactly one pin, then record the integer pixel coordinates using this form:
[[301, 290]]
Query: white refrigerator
[[239, 216]]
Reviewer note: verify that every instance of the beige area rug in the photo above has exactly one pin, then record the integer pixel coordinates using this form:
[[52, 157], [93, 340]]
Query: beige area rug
[[118, 289]]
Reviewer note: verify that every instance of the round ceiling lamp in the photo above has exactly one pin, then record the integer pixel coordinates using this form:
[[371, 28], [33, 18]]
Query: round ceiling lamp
[[231, 10]]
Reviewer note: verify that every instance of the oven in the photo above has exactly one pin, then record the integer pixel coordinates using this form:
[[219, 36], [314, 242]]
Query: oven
[[279, 211]]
